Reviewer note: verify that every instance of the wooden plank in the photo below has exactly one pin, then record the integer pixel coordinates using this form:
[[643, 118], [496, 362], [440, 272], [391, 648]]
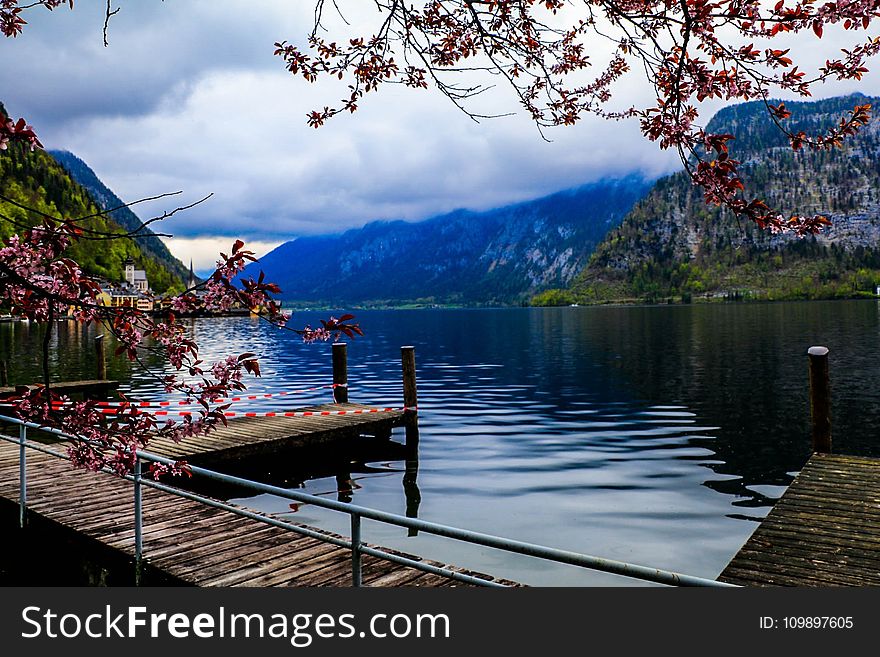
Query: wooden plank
[[88, 385], [821, 541], [824, 531], [371, 568], [398, 577], [185, 556], [822, 565], [196, 546], [283, 573], [190, 541], [251, 434], [262, 555], [170, 527]]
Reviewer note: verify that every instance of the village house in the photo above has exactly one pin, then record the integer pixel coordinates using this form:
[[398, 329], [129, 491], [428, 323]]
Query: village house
[[134, 291]]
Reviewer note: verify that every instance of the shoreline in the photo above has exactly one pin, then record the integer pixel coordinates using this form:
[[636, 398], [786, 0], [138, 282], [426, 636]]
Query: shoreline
[[617, 303]]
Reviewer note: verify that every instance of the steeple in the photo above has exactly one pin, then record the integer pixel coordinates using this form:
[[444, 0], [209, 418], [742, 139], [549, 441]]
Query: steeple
[[192, 277], [129, 271]]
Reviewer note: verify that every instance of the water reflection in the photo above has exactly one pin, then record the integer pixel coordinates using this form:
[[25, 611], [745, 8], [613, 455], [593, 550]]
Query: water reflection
[[655, 435]]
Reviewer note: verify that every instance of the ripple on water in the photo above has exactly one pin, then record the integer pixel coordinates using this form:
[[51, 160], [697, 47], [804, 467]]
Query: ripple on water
[[617, 432]]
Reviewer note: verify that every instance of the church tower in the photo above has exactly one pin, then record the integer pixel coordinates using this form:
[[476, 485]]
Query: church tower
[[129, 271]]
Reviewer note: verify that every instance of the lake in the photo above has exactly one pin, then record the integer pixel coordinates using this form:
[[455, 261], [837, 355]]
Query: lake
[[658, 435]]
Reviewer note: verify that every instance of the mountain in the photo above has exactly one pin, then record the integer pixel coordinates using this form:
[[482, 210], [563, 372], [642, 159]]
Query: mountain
[[673, 245], [37, 181], [151, 246], [500, 256]]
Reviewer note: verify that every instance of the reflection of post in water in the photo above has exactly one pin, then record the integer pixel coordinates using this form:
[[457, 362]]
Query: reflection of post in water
[[344, 487], [411, 491], [411, 425]]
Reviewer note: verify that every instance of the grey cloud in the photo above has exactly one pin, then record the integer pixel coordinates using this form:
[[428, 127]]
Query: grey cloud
[[188, 96], [65, 75]]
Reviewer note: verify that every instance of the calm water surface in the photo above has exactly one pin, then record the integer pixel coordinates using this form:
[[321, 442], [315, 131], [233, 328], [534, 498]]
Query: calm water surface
[[656, 435]]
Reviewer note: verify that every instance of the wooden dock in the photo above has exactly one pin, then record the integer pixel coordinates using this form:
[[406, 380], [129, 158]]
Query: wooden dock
[[185, 542], [824, 531], [264, 436], [97, 388], [249, 437], [261, 436]]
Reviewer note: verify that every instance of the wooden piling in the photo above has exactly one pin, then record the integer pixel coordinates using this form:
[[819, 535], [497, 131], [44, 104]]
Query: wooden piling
[[340, 372], [4, 375], [820, 399], [100, 360], [410, 395], [410, 400]]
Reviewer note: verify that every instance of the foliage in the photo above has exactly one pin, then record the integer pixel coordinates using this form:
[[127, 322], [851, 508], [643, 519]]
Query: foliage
[[553, 297], [33, 179], [172, 273], [553, 55], [40, 280], [671, 244]]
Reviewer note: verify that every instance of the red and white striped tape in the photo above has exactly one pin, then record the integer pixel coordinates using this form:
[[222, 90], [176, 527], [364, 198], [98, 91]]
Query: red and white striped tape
[[350, 411], [219, 400]]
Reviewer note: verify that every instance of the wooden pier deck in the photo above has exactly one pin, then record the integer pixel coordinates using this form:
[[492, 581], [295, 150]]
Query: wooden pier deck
[[260, 436], [824, 531], [92, 387], [189, 543]]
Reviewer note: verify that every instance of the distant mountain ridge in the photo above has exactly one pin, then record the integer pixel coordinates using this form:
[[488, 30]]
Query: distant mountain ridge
[[124, 216], [499, 256], [673, 245]]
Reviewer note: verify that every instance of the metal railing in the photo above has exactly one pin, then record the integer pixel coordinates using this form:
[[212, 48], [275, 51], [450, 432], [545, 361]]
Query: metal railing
[[356, 513]]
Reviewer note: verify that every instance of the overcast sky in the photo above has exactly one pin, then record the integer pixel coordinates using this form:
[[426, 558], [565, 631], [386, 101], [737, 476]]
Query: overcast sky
[[190, 97]]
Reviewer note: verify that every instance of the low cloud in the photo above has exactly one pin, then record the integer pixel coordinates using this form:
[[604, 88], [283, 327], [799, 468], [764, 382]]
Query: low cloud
[[204, 251], [189, 97], [404, 155]]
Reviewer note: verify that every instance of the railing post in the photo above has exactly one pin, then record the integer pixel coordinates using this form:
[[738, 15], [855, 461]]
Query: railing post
[[410, 399], [340, 372], [355, 549], [820, 399], [100, 360], [22, 476], [138, 521]]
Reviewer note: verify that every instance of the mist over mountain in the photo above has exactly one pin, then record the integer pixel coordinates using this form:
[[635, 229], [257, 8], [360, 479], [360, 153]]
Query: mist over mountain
[[672, 244], [497, 257]]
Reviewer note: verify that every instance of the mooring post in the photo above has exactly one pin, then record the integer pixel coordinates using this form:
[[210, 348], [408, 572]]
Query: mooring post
[[340, 372], [410, 399], [410, 395], [4, 374], [820, 399], [100, 361]]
